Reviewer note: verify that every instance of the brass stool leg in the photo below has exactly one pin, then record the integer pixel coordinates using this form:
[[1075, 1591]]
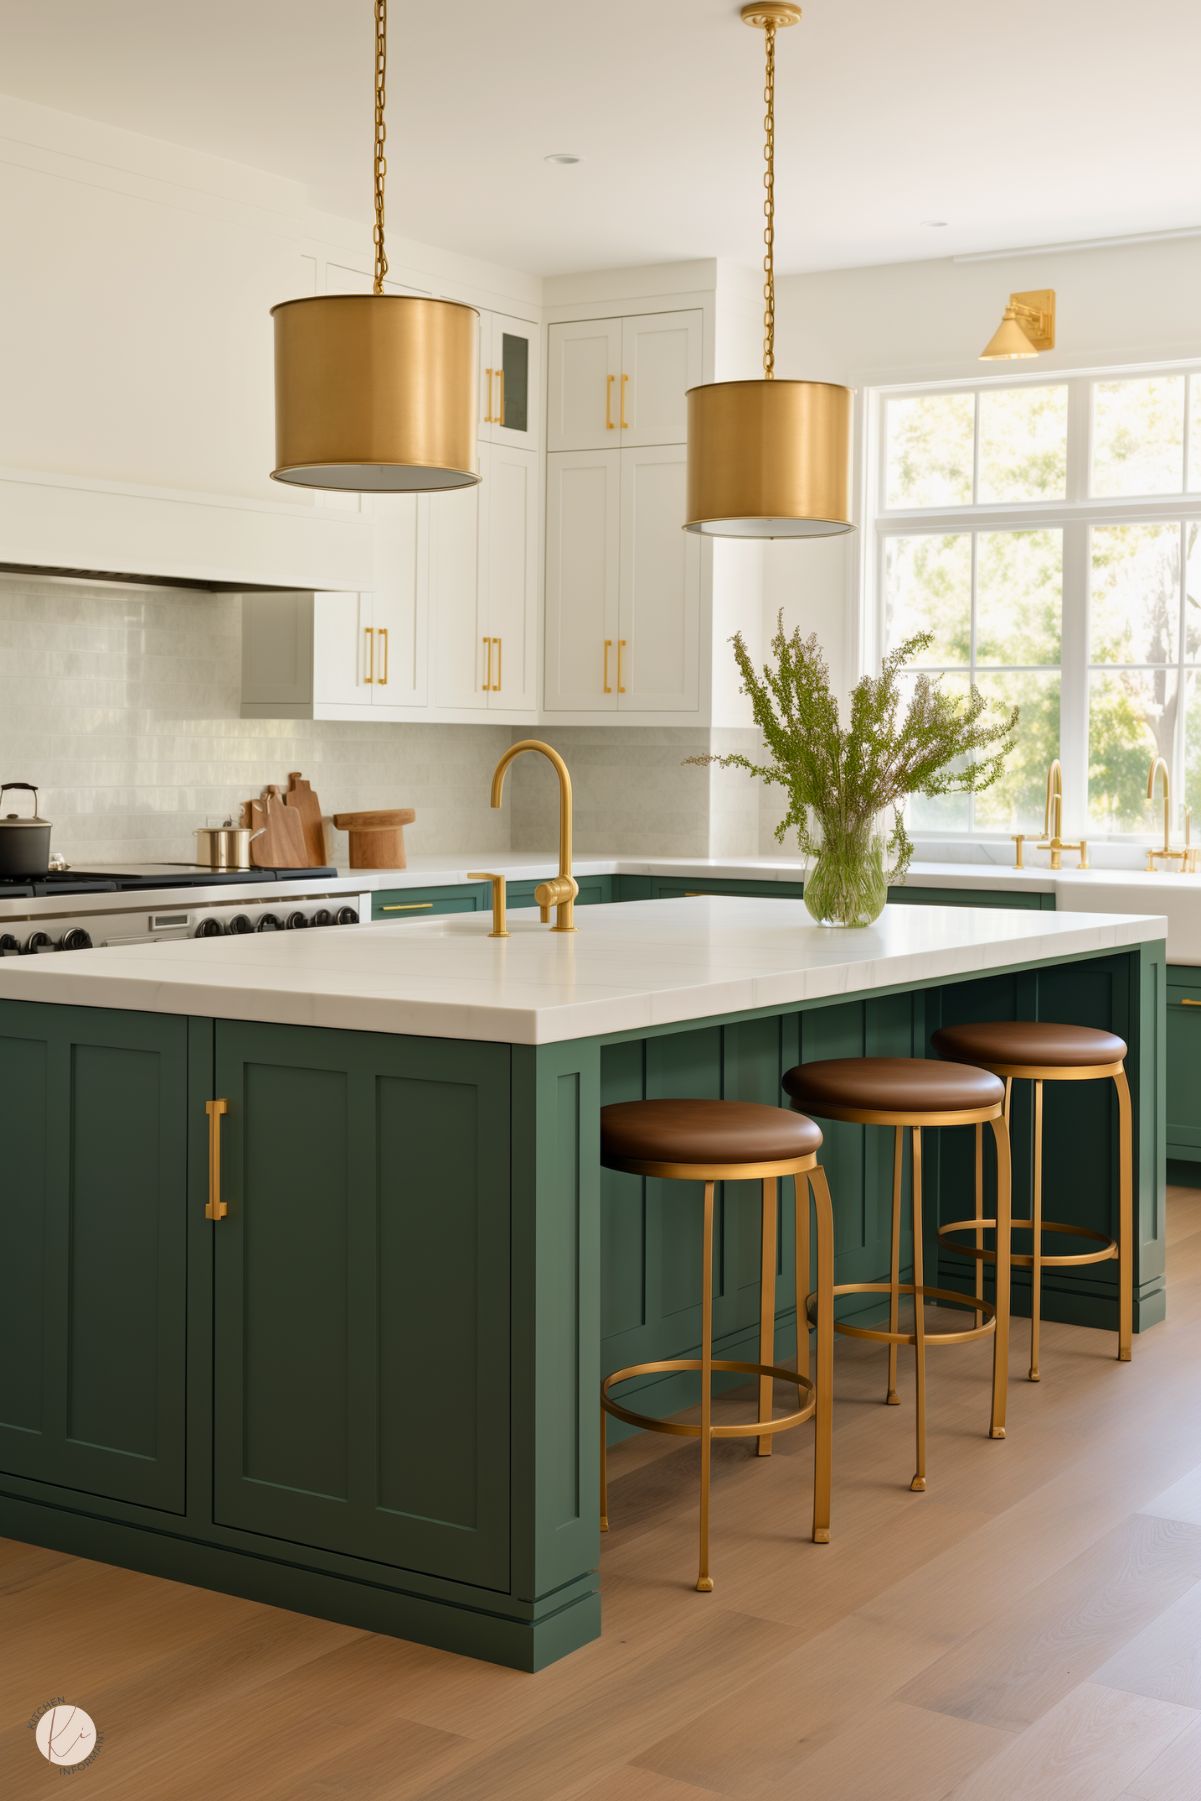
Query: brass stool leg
[[823, 1449], [800, 1192], [1000, 1363], [1036, 1264], [604, 1473], [979, 1215], [892, 1398], [767, 1304], [704, 1580], [1125, 1218], [919, 1312]]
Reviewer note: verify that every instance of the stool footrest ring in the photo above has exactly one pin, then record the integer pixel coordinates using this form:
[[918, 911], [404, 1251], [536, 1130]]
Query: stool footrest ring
[[949, 1297], [1025, 1259], [686, 1429]]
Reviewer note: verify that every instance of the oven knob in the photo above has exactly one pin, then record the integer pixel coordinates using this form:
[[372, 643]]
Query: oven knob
[[77, 939], [270, 922], [296, 921], [348, 916], [239, 924], [38, 941], [322, 917], [210, 928], [9, 946]]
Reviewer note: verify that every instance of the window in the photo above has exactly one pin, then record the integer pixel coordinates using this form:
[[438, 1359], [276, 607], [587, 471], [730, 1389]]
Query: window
[[1048, 534]]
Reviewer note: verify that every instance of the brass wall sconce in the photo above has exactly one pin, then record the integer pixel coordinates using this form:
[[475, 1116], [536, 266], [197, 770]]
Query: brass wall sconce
[[1027, 327]]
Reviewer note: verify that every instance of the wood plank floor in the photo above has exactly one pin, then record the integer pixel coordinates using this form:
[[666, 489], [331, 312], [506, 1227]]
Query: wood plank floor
[[1030, 1627]]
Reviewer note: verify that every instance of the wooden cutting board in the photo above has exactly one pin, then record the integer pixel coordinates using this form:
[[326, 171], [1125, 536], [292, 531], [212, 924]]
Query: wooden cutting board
[[282, 843], [301, 800]]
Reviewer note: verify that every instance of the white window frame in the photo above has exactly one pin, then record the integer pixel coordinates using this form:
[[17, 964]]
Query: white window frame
[[1076, 514]]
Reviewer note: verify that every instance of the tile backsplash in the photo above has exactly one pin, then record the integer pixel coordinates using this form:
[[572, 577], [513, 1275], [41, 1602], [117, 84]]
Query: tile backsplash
[[123, 706]]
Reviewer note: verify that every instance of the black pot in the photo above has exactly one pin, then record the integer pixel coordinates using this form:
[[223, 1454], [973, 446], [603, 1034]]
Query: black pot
[[24, 843]]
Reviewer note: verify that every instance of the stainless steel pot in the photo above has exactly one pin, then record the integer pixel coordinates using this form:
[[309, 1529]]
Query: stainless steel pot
[[24, 843], [225, 846]]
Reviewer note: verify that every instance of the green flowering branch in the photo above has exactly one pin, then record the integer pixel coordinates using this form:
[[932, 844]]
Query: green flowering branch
[[843, 777]]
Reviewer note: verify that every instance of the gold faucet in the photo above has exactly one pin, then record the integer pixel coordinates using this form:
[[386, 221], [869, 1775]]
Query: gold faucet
[[1167, 854], [561, 890], [1053, 840]]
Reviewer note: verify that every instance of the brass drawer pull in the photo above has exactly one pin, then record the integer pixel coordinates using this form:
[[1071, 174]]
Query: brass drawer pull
[[625, 424], [609, 425], [621, 645], [383, 632], [500, 410], [500, 665], [1187, 1003], [408, 907], [370, 675], [608, 686], [488, 671], [488, 413], [216, 1208]]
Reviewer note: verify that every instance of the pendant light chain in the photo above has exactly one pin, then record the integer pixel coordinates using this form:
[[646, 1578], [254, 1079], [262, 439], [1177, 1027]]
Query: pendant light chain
[[769, 207], [381, 161]]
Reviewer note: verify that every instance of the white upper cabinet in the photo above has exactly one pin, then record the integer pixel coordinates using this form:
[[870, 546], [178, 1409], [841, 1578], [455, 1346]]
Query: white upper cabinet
[[397, 650], [660, 361], [583, 580], [483, 584], [510, 382], [584, 376], [621, 381], [658, 632]]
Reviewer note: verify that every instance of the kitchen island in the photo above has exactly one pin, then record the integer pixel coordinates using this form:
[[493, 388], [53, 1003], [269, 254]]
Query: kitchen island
[[337, 1345]]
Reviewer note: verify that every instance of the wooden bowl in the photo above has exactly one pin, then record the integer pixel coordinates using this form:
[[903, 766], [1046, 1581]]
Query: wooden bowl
[[377, 840]]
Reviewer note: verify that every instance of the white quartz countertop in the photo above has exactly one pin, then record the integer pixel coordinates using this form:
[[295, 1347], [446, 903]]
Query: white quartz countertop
[[629, 966]]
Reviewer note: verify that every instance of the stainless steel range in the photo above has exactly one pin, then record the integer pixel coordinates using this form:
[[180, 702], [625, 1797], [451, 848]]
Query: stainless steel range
[[68, 910]]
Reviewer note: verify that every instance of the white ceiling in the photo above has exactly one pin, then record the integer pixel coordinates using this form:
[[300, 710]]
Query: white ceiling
[[1026, 122]]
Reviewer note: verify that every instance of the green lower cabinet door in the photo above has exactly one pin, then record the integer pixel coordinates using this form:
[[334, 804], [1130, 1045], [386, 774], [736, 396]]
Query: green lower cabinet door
[[93, 1213], [361, 1345], [1184, 1071]]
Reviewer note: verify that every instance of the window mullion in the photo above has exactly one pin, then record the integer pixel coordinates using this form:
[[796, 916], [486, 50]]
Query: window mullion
[[1073, 685]]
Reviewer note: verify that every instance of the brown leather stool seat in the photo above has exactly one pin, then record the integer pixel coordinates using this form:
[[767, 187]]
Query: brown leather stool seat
[[1040, 1051], [912, 1094], [710, 1141], [703, 1132], [1030, 1043], [843, 1086]]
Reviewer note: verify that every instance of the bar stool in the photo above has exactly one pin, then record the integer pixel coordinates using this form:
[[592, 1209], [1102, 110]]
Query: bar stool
[[1040, 1051], [913, 1093], [735, 1141]]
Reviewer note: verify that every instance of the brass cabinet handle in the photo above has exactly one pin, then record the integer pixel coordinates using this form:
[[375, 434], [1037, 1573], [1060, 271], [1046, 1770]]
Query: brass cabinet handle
[[370, 675], [625, 424], [499, 928], [609, 425], [500, 387], [1188, 1003], [408, 907], [216, 1208], [488, 669], [621, 645], [488, 412], [607, 684], [500, 664], [383, 632]]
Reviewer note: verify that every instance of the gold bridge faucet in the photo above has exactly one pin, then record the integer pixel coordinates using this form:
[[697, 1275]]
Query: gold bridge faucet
[[561, 890], [1186, 859], [1052, 838]]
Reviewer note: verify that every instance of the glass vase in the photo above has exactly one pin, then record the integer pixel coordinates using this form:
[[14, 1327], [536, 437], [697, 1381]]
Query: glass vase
[[846, 883]]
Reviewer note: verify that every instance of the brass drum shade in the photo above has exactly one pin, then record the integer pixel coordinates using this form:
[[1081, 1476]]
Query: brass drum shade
[[376, 392], [769, 459]]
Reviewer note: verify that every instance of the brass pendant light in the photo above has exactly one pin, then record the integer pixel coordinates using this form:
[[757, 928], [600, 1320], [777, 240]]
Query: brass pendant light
[[769, 459], [376, 392]]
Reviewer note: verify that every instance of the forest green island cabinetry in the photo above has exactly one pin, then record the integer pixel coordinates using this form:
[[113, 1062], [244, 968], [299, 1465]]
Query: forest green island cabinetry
[[368, 1389]]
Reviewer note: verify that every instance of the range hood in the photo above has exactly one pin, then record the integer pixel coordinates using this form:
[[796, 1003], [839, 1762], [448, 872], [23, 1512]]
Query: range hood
[[91, 531]]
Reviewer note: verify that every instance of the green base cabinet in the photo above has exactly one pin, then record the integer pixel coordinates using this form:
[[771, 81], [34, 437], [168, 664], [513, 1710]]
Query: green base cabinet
[[1184, 1068], [398, 904]]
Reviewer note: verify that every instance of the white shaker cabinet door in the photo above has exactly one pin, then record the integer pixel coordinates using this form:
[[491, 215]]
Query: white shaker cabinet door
[[660, 361], [583, 540], [510, 382], [509, 574], [659, 636], [400, 605], [456, 625], [584, 383], [343, 650]]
